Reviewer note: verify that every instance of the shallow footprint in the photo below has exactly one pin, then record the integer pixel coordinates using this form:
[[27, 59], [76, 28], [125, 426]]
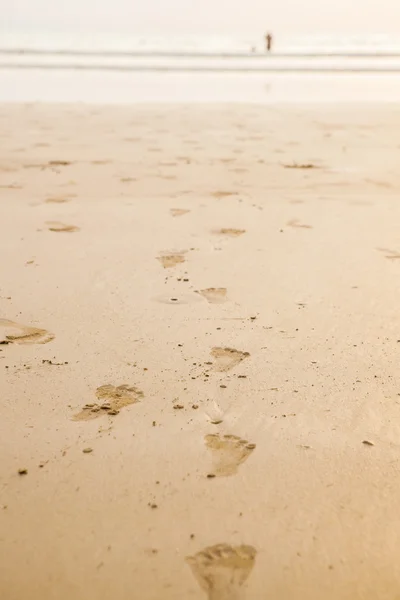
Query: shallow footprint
[[113, 398], [171, 260], [221, 570], [60, 227], [296, 223], [229, 231], [389, 253], [214, 295], [57, 200], [229, 452], [178, 212], [227, 358], [223, 194], [24, 334]]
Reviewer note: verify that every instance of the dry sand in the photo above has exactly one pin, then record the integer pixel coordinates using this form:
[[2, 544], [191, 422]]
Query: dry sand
[[199, 353]]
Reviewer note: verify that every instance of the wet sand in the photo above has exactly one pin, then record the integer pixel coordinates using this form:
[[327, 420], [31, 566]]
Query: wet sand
[[199, 352], [125, 88]]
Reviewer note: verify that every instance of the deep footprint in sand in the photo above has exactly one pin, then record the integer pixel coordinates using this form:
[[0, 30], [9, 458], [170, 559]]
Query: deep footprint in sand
[[229, 231], [229, 452], [172, 259], [221, 570], [227, 358], [112, 399], [214, 295], [22, 334], [61, 227], [179, 212]]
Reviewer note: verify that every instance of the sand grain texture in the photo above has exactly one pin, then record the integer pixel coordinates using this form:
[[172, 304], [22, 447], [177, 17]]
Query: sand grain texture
[[253, 442]]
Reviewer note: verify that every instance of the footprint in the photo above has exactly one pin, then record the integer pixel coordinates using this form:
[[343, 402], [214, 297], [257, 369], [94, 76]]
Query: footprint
[[296, 223], [178, 212], [56, 226], [221, 570], [382, 184], [295, 165], [214, 295], [112, 400], [222, 194], [389, 253], [239, 170], [229, 452], [59, 163], [56, 200], [231, 232], [24, 334], [171, 260], [227, 358]]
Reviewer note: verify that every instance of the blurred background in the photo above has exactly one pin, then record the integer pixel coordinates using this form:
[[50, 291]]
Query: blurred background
[[143, 49]]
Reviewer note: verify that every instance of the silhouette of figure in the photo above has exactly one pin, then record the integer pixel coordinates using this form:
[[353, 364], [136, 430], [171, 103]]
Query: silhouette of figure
[[268, 42]]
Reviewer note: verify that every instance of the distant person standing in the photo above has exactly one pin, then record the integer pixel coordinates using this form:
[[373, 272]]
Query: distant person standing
[[268, 42]]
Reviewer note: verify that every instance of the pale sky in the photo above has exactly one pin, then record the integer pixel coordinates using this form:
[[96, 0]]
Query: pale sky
[[192, 16]]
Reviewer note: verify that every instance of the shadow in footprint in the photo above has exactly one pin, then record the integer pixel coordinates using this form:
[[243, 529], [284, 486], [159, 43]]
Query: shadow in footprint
[[61, 227], [221, 570], [23, 334], [229, 452]]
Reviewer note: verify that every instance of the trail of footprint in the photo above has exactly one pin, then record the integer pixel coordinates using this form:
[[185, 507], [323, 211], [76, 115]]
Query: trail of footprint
[[60, 227], [214, 295], [112, 398], [25, 334], [227, 358], [221, 570], [172, 259], [229, 452], [178, 212], [229, 231]]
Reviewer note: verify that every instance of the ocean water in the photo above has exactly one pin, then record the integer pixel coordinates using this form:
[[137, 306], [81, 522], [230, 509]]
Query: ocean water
[[186, 52], [109, 68]]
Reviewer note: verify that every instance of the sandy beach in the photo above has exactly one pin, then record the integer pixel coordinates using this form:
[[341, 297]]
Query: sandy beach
[[199, 351]]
